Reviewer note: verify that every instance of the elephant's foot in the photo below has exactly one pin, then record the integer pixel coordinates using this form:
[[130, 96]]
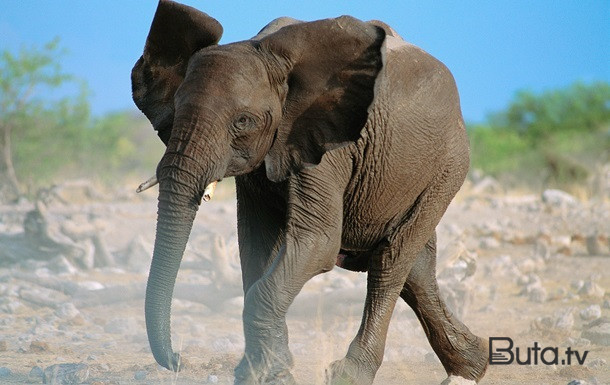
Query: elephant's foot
[[259, 371], [347, 372]]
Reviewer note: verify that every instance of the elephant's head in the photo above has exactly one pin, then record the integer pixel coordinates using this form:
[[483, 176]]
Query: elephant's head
[[282, 99]]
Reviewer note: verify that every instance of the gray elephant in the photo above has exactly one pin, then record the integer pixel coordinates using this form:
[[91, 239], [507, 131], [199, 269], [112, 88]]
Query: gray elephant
[[347, 145]]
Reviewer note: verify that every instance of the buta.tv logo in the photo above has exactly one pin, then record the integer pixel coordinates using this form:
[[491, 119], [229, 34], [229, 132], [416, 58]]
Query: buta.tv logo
[[501, 352]]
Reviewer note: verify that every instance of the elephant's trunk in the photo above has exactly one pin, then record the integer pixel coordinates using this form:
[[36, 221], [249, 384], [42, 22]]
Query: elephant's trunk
[[178, 204]]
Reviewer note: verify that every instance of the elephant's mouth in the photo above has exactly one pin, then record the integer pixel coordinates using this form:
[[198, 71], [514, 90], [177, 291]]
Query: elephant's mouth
[[208, 193]]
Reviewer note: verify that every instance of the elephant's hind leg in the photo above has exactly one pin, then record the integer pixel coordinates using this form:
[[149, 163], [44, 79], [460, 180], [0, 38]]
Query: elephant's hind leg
[[461, 352]]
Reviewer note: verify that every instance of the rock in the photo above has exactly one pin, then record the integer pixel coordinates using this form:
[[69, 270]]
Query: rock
[[10, 305], [594, 245], [489, 243], [67, 311], [137, 256], [561, 322], [36, 375], [487, 185], [39, 347], [457, 380], [66, 374], [530, 265], [592, 289], [538, 294], [577, 284], [124, 326], [528, 279], [597, 363], [140, 375], [591, 313], [598, 332], [212, 379], [534, 291], [5, 372], [558, 199]]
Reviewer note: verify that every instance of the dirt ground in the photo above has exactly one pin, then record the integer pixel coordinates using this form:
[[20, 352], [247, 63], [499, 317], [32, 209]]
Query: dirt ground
[[541, 277]]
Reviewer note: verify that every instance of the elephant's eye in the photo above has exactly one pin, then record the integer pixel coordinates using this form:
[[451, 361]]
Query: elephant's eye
[[244, 121]]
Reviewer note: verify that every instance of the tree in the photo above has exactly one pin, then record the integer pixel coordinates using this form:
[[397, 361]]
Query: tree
[[26, 80], [579, 107]]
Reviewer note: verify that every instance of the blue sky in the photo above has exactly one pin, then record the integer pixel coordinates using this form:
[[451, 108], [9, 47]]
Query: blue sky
[[493, 48]]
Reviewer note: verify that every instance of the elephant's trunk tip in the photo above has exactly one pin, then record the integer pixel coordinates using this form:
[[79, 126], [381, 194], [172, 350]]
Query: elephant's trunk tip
[[173, 362]]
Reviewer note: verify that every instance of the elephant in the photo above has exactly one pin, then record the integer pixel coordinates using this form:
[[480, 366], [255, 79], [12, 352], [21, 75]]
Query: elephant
[[347, 145]]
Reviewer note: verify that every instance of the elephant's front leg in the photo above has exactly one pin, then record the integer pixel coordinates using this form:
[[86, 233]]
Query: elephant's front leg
[[312, 242]]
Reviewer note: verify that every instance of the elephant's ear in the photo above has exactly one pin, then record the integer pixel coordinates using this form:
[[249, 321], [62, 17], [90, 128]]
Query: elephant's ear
[[329, 68], [177, 31]]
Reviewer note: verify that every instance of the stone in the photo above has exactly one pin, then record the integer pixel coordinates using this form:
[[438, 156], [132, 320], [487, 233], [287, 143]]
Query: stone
[[39, 347], [598, 333], [457, 380], [66, 374], [140, 375], [558, 199], [597, 363], [591, 313], [489, 243], [592, 289], [487, 185], [124, 326], [67, 311], [212, 379], [538, 294], [36, 375], [5, 372], [594, 245]]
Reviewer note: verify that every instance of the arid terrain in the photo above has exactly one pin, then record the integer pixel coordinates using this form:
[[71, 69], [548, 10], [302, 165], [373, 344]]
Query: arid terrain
[[73, 267]]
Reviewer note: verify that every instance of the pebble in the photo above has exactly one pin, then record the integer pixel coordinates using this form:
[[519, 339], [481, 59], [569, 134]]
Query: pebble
[[591, 313], [39, 347], [538, 294], [67, 311], [558, 199], [66, 374], [140, 375], [124, 326], [592, 289], [36, 375], [597, 363], [4, 372], [598, 333], [489, 243], [594, 246]]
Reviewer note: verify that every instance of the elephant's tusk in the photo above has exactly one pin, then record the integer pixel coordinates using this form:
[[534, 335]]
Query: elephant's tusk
[[148, 184], [208, 193]]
